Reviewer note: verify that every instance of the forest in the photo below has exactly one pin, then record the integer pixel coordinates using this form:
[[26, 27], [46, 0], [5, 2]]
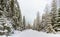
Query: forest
[[11, 18]]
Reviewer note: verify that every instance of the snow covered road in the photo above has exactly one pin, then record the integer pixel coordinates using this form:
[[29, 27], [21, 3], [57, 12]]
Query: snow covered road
[[32, 33]]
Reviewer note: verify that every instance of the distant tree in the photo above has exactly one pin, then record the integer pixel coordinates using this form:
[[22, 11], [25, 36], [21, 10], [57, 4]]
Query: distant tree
[[24, 23], [34, 25], [37, 24], [28, 26]]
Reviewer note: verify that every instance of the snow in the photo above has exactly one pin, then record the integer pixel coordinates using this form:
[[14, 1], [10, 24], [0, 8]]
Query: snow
[[32, 33], [3, 36], [3, 31]]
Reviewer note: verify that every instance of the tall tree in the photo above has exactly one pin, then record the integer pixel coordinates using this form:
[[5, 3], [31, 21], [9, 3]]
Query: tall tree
[[53, 14], [34, 25], [17, 15], [46, 20], [24, 23], [5, 24], [57, 26], [38, 25]]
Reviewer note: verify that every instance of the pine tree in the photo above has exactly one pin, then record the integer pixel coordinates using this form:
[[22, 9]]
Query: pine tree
[[53, 13], [17, 16], [17, 11], [5, 27], [24, 23], [46, 20], [57, 27], [10, 16], [38, 25], [34, 25]]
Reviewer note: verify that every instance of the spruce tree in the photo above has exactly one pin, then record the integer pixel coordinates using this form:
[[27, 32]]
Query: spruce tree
[[17, 16], [5, 29], [38, 25], [53, 13], [24, 23], [34, 25], [45, 18], [10, 16], [57, 27]]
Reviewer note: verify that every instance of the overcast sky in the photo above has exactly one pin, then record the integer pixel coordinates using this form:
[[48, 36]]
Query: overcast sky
[[29, 8]]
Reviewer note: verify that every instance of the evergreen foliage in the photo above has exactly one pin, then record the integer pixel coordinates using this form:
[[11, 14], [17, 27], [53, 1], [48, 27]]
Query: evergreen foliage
[[10, 16]]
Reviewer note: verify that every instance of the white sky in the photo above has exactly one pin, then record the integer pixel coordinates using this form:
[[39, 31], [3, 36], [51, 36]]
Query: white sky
[[29, 8]]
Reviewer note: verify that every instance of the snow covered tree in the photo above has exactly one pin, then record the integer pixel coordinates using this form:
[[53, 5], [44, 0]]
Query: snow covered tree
[[57, 26], [17, 15], [38, 25], [24, 23], [46, 20], [34, 25], [53, 13], [5, 25], [10, 16], [4, 22]]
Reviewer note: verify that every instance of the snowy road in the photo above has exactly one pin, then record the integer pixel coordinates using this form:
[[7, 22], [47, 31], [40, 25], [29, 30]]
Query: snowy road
[[31, 33]]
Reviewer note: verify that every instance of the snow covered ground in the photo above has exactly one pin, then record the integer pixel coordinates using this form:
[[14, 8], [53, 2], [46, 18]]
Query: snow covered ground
[[31, 33]]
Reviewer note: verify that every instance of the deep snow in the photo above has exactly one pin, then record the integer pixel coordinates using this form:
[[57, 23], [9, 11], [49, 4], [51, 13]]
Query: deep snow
[[31, 33]]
